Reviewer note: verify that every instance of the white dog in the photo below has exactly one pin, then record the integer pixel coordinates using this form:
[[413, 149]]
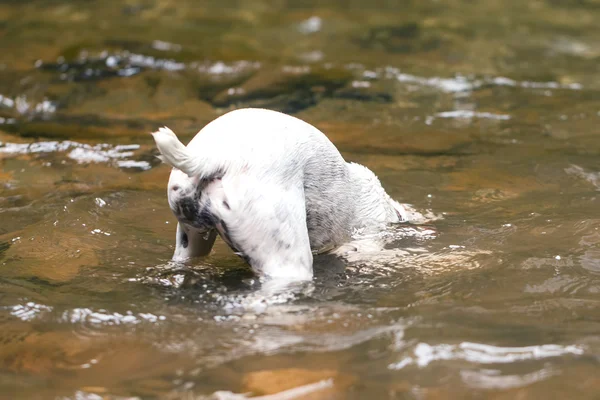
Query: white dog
[[275, 189]]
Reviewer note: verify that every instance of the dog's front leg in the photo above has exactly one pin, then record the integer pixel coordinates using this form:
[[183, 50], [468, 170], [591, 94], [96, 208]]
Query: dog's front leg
[[191, 242]]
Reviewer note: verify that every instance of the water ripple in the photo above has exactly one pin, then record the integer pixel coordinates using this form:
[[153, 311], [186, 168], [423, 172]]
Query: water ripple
[[460, 83], [493, 379], [424, 354], [82, 153]]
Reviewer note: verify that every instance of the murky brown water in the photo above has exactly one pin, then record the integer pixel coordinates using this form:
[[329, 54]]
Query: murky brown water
[[487, 113]]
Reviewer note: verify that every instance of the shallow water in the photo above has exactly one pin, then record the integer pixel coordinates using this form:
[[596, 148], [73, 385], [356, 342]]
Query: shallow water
[[487, 114]]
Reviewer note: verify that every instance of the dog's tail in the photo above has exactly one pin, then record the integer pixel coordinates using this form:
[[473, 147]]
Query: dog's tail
[[174, 153]]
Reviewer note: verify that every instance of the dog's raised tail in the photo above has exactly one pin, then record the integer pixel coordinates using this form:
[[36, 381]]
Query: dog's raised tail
[[174, 153]]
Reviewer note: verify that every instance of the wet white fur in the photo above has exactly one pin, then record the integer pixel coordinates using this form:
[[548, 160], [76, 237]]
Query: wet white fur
[[275, 188]]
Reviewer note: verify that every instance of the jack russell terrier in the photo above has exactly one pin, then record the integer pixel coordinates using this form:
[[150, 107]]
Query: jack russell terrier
[[275, 189]]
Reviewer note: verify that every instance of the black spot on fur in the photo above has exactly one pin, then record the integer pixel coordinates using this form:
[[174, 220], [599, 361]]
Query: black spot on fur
[[189, 208], [283, 245], [184, 240], [192, 211], [224, 225], [205, 217], [177, 211], [226, 205]]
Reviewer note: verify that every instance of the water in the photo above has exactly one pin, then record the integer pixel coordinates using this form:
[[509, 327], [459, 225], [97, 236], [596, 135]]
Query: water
[[487, 114]]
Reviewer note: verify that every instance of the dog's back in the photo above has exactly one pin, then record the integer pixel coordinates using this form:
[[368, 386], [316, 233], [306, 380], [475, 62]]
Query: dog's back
[[277, 148]]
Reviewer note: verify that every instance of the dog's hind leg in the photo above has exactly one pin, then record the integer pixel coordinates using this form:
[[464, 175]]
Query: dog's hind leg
[[191, 242], [265, 224]]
